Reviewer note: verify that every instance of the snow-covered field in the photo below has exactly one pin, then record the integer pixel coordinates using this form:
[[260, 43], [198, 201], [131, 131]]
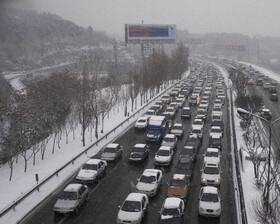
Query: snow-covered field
[[23, 182]]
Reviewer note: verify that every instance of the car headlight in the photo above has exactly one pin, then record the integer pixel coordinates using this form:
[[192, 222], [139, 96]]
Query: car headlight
[[204, 180], [217, 181], [218, 210]]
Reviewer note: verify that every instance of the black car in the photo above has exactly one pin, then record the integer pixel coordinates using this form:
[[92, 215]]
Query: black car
[[193, 141], [215, 142], [274, 97], [188, 151], [139, 153], [218, 123], [184, 166], [186, 112]]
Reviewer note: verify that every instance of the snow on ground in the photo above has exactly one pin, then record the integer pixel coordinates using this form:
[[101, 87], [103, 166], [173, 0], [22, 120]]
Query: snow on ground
[[265, 71], [22, 182]]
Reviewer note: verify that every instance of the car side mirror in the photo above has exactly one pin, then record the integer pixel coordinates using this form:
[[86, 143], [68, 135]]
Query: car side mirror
[[138, 179], [119, 206]]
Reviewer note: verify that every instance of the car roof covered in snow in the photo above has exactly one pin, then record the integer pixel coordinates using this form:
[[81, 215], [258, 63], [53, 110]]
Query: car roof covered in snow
[[93, 161], [135, 197], [210, 190], [139, 145], [73, 187], [172, 202], [112, 145]]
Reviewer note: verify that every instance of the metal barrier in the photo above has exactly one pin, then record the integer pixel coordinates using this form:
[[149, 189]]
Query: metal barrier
[[34, 189]]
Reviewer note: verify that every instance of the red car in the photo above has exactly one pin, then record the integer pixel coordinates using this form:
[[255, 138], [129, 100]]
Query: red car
[[265, 113], [274, 97]]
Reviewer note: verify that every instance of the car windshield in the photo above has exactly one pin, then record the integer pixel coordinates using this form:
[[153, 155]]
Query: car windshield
[[89, 167], [202, 112], [136, 149], [141, 121], [176, 128], [217, 109], [211, 170], [170, 212], [163, 153], [154, 131], [169, 110], [197, 122], [147, 179], [184, 166], [110, 150], [131, 206], [150, 113], [178, 183], [216, 130], [211, 154], [196, 131], [167, 139], [67, 195], [187, 152], [207, 197], [185, 111]]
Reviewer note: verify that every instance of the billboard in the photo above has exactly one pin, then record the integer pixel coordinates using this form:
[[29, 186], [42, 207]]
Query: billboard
[[152, 33]]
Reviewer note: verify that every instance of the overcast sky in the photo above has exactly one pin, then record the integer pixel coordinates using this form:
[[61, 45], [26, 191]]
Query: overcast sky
[[250, 17]]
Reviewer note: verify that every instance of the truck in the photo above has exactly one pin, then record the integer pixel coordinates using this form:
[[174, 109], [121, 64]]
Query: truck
[[156, 129]]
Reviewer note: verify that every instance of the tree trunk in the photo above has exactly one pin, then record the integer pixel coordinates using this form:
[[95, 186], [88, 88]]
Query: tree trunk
[[96, 126], [54, 142], [11, 165]]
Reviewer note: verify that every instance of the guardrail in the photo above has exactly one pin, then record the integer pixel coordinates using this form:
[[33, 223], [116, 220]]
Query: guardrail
[[239, 196], [13, 205]]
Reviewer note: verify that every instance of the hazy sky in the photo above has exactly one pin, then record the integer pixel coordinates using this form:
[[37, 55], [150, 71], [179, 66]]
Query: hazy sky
[[250, 17]]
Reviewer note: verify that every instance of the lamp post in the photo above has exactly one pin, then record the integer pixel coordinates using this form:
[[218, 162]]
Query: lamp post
[[242, 111]]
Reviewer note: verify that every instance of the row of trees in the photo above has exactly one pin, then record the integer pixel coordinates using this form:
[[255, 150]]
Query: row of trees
[[57, 105]]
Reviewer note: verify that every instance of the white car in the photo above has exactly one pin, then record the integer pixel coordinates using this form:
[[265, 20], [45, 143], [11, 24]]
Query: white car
[[91, 170], [180, 102], [174, 105], [204, 103], [178, 130], [198, 131], [217, 110], [71, 199], [211, 174], [133, 209], [149, 182], [216, 130], [209, 202], [172, 210], [198, 123], [201, 114], [170, 140], [150, 113], [170, 112], [142, 123], [163, 156], [212, 155], [112, 152]]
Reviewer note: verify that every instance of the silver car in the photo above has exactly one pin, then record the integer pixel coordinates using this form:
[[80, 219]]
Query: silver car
[[71, 199]]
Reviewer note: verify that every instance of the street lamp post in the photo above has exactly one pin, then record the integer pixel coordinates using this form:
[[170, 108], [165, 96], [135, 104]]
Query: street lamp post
[[242, 111]]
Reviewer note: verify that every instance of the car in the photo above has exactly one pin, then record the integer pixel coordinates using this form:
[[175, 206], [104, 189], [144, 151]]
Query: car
[[178, 186], [160, 103], [180, 102], [139, 153], [204, 103], [178, 130], [198, 123], [91, 171], [216, 130], [142, 123], [212, 155], [188, 151], [133, 209], [274, 97], [193, 100], [166, 99], [251, 82], [185, 166], [201, 114], [170, 140], [150, 113], [163, 156], [169, 112], [186, 112], [222, 97], [211, 174], [193, 141], [273, 89], [217, 110], [265, 113], [112, 152], [266, 85], [149, 182], [198, 131], [156, 108], [215, 141], [172, 211], [209, 202], [174, 105], [71, 199]]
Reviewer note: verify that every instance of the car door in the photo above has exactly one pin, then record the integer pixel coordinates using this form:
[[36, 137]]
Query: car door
[[81, 195]]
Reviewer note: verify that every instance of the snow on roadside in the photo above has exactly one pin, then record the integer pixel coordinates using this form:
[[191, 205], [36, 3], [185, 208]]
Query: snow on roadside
[[22, 182]]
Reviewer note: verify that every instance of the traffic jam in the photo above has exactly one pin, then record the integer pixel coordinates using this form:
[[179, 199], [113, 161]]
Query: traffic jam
[[198, 99]]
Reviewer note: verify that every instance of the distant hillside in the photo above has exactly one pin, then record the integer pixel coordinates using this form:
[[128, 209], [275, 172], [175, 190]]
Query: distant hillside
[[26, 37]]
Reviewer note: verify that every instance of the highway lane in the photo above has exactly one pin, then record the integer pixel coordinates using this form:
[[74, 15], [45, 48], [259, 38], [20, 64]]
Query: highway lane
[[121, 178]]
